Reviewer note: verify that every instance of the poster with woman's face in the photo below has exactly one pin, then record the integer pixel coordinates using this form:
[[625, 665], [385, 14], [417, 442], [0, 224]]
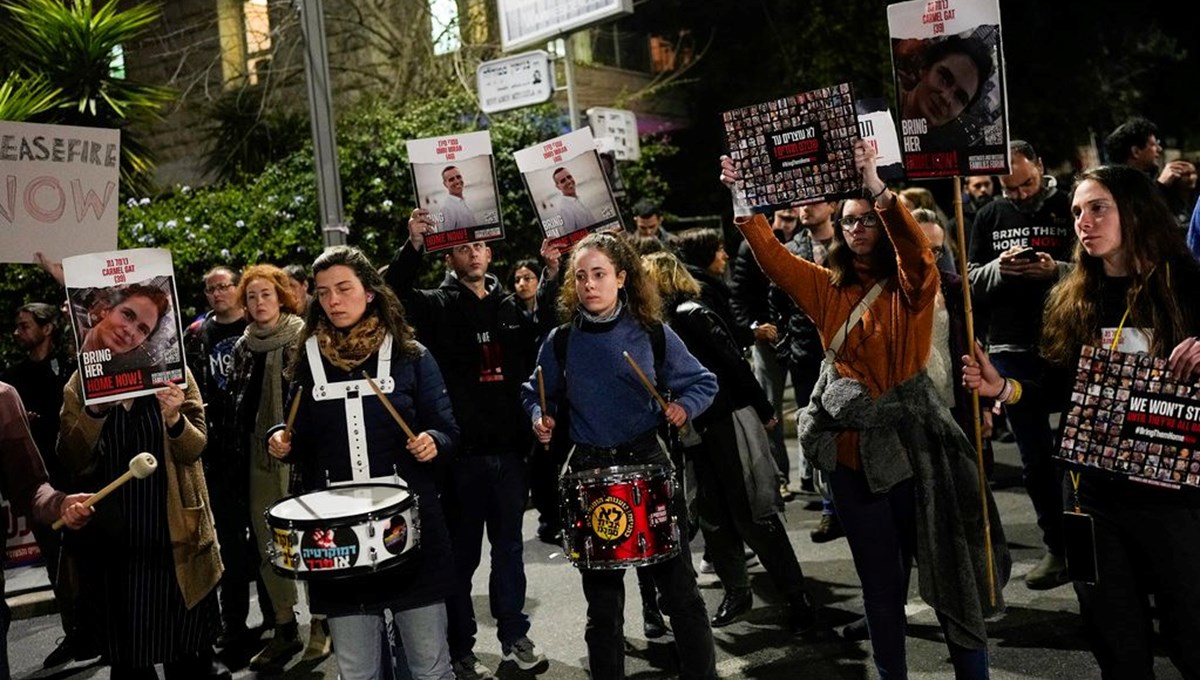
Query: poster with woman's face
[[569, 187], [455, 180], [125, 316], [948, 67]]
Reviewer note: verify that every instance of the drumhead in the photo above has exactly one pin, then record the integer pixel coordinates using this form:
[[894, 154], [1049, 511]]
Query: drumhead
[[618, 473], [351, 502]]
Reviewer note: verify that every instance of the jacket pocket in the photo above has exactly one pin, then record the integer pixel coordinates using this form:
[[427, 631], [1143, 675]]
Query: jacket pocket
[[199, 526]]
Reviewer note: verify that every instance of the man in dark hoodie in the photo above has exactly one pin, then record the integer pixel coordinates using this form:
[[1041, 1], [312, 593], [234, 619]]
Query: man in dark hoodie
[[1021, 243], [480, 339]]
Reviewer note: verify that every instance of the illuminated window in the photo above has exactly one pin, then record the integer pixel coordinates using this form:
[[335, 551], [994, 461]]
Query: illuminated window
[[443, 16], [116, 62], [257, 18]]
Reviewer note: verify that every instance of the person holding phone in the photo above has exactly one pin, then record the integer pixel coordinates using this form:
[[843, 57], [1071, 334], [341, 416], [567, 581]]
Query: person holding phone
[[1020, 244], [1128, 291]]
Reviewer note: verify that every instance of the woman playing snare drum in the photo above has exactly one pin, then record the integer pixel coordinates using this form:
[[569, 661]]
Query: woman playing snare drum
[[355, 314], [613, 308]]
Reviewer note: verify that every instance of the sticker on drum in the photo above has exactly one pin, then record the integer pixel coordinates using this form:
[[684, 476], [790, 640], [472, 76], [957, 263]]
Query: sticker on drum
[[395, 536], [329, 548], [610, 518]]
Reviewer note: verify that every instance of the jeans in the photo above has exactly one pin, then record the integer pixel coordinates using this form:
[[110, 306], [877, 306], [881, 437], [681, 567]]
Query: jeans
[[773, 378], [674, 578], [881, 530], [487, 491], [1147, 541], [1029, 420], [358, 643]]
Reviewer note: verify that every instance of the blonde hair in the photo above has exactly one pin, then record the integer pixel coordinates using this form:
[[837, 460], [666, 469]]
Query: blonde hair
[[669, 274]]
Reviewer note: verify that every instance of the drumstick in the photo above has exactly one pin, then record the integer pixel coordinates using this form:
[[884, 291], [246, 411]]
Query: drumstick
[[287, 431], [542, 398], [141, 466], [388, 405], [650, 387]]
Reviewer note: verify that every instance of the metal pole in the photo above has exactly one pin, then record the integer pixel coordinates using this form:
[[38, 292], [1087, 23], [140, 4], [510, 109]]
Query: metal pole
[[569, 71], [320, 106]]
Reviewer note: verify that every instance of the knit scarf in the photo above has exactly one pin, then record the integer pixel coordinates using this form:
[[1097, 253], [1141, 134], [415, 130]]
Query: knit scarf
[[272, 342], [348, 349]]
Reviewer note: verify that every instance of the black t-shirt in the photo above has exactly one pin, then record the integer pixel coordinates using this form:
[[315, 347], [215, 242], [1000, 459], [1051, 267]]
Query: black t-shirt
[[217, 341]]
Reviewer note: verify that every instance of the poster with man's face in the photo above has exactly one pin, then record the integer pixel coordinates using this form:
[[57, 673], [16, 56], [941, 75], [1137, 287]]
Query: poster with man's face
[[569, 187], [948, 67], [455, 180], [125, 316]]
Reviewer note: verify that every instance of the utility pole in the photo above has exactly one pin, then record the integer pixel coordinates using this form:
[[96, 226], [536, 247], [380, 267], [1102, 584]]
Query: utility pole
[[320, 107]]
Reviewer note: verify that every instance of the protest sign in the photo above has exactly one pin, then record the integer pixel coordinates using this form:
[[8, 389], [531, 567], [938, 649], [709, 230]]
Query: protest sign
[[876, 127], [948, 67], [125, 316], [569, 187], [455, 180], [58, 190], [796, 150], [1130, 416]]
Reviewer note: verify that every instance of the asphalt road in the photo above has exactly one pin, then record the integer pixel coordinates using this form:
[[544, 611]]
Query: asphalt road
[[1038, 637]]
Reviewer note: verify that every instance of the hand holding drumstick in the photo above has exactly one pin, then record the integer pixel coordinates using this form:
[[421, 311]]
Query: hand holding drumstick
[[422, 446], [141, 466]]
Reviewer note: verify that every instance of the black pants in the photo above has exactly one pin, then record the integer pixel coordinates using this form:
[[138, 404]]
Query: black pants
[[726, 520], [675, 579], [1147, 540]]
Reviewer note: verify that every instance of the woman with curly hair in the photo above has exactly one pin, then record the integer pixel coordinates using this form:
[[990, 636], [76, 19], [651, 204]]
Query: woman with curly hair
[[612, 307]]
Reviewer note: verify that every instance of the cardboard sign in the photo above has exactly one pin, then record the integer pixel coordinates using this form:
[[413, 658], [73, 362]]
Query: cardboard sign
[[876, 127], [58, 190]]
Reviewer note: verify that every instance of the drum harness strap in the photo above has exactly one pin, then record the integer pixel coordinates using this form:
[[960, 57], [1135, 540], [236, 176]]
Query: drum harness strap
[[351, 393], [658, 346]]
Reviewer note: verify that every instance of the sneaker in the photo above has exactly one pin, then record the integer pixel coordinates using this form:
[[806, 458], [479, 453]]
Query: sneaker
[[830, 528], [279, 650], [1050, 572], [526, 655], [320, 643], [706, 566], [471, 668]]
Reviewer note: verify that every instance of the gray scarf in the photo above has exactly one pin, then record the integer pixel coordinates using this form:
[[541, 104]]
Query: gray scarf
[[272, 342]]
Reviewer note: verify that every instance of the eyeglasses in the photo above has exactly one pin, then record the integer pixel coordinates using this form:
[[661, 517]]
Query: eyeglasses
[[209, 290], [868, 220]]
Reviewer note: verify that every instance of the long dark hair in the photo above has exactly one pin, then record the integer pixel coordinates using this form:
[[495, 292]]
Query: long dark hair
[[841, 259], [385, 304], [641, 298], [1157, 256]]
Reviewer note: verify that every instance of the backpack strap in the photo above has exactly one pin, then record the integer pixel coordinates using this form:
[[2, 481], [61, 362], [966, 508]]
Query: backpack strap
[[856, 315]]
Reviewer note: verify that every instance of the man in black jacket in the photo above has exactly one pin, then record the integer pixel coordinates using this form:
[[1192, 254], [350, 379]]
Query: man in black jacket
[[482, 343], [1020, 244]]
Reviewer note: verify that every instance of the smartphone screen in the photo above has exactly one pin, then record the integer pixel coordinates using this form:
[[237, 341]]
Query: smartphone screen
[[1027, 255], [1079, 539]]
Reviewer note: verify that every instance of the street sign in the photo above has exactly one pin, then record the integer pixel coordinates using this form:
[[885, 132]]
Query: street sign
[[531, 22], [619, 126], [512, 82]]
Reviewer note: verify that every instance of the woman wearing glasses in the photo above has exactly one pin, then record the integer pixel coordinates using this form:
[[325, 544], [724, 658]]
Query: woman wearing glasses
[[902, 473]]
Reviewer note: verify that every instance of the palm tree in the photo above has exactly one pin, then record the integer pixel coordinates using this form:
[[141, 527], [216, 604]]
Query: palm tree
[[70, 46], [23, 98]]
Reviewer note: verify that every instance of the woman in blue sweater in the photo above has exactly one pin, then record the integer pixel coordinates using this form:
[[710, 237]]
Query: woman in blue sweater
[[612, 307]]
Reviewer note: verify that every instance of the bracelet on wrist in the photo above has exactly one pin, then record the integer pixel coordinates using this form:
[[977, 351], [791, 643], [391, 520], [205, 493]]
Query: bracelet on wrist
[[1005, 392], [1015, 392]]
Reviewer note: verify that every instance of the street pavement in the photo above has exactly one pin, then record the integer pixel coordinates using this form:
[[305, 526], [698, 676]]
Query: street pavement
[[1038, 637]]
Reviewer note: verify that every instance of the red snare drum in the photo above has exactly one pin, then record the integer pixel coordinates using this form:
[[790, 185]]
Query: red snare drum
[[619, 517]]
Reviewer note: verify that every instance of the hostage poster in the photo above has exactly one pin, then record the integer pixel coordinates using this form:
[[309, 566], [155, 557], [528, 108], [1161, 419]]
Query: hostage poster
[[455, 180], [125, 316], [948, 67], [569, 187], [1130, 416], [796, 150]]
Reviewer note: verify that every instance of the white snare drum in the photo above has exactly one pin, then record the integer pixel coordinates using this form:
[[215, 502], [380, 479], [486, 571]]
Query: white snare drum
[[343, 531]]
